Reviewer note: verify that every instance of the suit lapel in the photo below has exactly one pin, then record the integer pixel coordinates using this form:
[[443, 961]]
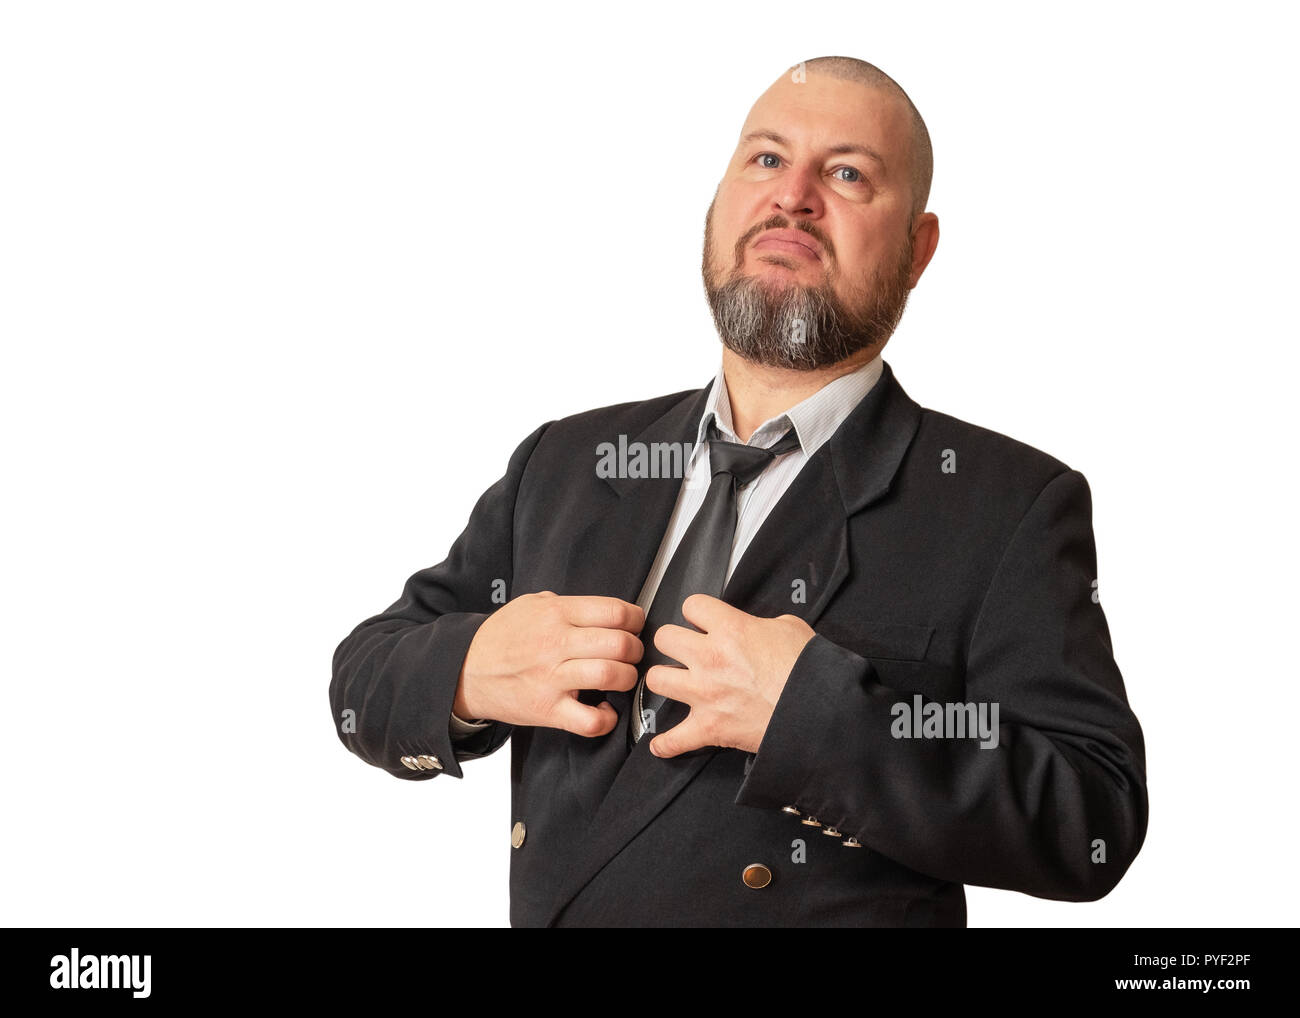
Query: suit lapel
[[613, 557], [779, 575], [853, 469]]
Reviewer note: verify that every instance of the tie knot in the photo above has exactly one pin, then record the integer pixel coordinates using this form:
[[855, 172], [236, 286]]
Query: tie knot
[[745, 462]]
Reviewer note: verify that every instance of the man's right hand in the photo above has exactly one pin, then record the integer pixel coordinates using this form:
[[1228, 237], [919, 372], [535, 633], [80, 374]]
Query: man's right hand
[[530, 657]]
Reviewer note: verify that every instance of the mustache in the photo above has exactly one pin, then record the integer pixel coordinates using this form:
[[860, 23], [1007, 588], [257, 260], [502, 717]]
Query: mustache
[[778, 222]]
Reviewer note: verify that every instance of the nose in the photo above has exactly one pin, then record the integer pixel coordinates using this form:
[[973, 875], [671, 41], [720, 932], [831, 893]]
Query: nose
[[797, 195]]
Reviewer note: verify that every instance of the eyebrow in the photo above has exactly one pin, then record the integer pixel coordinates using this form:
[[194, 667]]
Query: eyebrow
[[842, 149]]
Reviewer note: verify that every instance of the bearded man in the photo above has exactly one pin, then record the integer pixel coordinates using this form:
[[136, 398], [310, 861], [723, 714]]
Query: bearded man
[[843, 656]]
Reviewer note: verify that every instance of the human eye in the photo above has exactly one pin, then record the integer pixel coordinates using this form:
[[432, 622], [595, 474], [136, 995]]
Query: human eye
[[855, 177], [767, 155]]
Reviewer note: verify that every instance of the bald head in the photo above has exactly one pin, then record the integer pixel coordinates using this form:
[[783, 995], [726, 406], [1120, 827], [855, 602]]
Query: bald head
[[920, 155]]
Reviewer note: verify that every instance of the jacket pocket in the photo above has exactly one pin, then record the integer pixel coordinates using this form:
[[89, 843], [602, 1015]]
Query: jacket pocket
[[881, 641], [903, 656]]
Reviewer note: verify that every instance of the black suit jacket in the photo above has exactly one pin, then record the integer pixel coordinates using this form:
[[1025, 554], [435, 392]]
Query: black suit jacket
[[973, 585]]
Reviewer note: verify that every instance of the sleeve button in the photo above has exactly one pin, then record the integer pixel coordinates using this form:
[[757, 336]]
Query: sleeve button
[[756, 875]]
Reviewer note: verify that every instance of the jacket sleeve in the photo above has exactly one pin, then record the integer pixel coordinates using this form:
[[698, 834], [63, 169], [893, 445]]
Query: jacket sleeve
[[1057, 809], [395, 675]]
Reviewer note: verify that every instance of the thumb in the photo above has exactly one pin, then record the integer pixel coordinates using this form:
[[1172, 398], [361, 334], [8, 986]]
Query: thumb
[[681, 738]]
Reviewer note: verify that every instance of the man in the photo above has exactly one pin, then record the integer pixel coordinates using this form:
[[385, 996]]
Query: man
[[790, 649]]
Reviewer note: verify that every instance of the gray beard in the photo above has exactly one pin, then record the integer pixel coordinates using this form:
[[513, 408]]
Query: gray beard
[[805, 327]]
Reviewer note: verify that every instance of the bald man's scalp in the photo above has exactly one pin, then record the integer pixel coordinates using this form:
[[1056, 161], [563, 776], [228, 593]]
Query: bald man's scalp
[[920, 154]]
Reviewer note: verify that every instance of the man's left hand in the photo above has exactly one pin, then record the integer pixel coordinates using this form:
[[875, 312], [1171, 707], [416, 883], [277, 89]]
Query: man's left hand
[[735, 670]]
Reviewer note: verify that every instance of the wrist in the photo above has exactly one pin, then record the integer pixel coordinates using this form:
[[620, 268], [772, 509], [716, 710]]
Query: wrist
[[467, 704]]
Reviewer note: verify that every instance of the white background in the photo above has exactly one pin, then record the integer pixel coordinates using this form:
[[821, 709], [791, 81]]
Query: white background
[[284, 284]]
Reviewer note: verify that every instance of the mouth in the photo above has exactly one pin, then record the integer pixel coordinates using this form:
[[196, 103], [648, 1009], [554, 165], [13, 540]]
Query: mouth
[[793, 242]]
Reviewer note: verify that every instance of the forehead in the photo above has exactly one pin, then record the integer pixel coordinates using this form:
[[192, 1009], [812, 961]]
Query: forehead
[[822, 112]]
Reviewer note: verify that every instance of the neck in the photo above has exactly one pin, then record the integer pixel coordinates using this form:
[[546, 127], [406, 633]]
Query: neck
[[759, 392]]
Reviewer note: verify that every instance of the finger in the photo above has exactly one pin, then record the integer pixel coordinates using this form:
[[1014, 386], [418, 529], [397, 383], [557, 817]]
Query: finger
[[681, 644], [597, 673], [615, 644], [674, 683], [681, 738], [603, 612], [591, 722], [708, 613]]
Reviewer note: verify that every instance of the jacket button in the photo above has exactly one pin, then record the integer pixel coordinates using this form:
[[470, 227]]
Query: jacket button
[[811, 821], [756, 875], [832, 832], [429, 763], [517, 834], [409, 761], [851, 843], [791, 810]]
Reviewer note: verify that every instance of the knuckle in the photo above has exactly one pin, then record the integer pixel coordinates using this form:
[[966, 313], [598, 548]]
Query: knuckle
[[598, 612], [553, 641], [606, 672]]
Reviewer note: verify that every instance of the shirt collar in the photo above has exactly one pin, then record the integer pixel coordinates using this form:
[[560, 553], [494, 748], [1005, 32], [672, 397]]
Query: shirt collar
[[814, 420]]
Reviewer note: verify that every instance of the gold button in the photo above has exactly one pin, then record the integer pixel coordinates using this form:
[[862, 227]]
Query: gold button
[[409, 761], [832, 832], [756, 875], [851, 843], [429, 763], [811, 821], [791, 810], [517, 834]]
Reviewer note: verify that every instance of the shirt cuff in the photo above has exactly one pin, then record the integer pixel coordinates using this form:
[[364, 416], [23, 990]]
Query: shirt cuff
[[459, 726]]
